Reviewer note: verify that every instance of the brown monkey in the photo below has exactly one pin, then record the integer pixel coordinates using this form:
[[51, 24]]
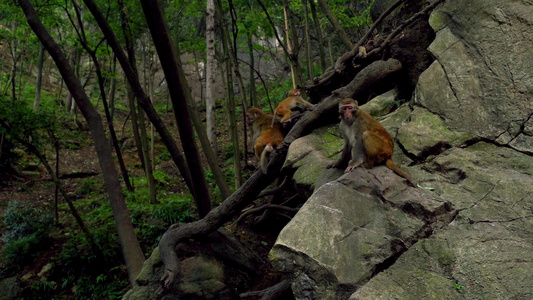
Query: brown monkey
[[366, 141], [283, 110], [267, 135]]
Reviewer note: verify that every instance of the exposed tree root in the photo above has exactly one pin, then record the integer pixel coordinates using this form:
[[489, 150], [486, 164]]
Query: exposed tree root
[[274, 292]]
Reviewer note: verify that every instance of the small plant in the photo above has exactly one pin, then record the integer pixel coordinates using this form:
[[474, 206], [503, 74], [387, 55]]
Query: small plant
[[458, 287], [26, 235], [162, 177], [42, 289], [174, 211]]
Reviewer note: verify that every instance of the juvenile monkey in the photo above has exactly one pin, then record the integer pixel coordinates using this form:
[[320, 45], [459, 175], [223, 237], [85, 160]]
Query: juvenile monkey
[[366, 141], [267, 135], [283, 110]]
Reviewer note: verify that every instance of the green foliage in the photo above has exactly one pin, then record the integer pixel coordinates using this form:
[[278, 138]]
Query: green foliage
[[26, 234], [42, 289], [90, 186], [162, 177], [22, 220], [174, 210], [458, 287], [104, 286], [163, 156]]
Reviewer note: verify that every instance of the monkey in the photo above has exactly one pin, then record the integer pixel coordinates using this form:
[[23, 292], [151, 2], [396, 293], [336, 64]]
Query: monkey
[[267, 135], [366, 141], [283, 110]]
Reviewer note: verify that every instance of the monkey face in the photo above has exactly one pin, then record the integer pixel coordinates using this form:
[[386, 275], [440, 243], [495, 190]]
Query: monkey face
[[348, 109], [347, 112]]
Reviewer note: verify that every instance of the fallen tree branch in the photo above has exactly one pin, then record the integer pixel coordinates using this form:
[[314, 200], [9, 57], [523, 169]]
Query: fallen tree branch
[[266, 206], [397, 31], [366, 79], [270, 293], [275, 190], [345, 66]]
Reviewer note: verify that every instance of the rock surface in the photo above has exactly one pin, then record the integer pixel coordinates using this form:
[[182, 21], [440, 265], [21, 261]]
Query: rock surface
[[467, 139]]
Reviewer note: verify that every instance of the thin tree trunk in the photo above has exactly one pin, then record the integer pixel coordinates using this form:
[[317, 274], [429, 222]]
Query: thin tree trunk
[[253, 97], [112, 88], [309, 55], [292, 44], [148, 170], [212, 160], [179, 92], [37, 100], [109, 119], [210, 77], [133, 255], [230, 101], [143, 100], [135, 125], [318, 30], [335, 23]]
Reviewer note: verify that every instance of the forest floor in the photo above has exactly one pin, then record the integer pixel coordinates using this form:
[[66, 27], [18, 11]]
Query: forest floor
[[33, 185]]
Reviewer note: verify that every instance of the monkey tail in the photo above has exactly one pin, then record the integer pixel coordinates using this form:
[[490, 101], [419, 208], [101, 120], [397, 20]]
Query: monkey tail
[[391, 165], [265, 155], [273, 121]]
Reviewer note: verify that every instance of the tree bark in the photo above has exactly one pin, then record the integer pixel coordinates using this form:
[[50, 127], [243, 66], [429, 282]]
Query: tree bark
[[335, 23], [37, 100], [131, 249], [210, 74], [142, 98], [231, 66], [309, 56], [179, 92], [320, 39], [292, 46]]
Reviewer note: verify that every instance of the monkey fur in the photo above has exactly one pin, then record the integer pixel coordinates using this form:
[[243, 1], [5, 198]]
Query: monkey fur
[[283, 111], [267, 135], [366, 142]]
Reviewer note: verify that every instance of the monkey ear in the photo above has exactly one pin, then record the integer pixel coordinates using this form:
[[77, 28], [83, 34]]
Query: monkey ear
[[356, 103]]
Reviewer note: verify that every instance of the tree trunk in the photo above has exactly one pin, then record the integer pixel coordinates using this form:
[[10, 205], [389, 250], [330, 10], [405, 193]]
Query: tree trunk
[[131, 249], [135, 125], [109, 119], [148, 170], [335, 23], [319, 37], [143, 100], [292, 46], [112, 88], [210, 75], [212, 160], [37, 100], [309, 55], [253, 97], [178, 93], [230, 105]]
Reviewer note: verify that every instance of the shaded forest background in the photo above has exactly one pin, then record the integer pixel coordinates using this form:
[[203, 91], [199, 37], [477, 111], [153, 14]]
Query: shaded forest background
[[110, 106]]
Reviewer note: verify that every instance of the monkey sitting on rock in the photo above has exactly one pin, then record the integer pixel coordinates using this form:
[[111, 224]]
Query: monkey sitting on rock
[[366, 141]]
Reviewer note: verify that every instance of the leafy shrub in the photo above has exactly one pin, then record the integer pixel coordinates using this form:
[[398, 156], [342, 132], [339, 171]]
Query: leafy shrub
[[27, 230], [175, 211]]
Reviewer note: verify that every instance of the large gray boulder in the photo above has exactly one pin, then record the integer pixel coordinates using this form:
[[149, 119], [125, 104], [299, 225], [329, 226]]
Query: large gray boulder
[[482, 81], [467, 139]]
